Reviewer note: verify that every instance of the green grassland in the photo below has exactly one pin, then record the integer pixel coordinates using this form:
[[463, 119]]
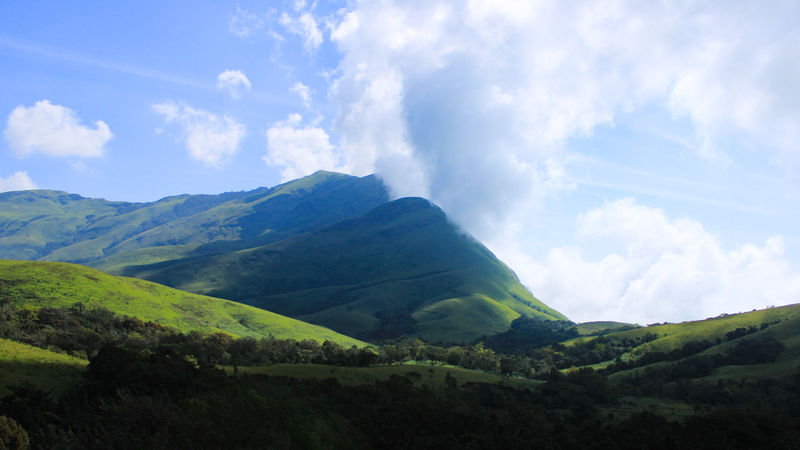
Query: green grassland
[[47, 284], [46, 370], [401, 262], [602, 327]]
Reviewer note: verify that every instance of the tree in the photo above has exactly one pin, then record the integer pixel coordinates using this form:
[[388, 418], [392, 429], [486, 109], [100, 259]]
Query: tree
[[12, 435]]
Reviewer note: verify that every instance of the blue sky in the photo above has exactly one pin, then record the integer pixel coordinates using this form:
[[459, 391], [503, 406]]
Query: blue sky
[[629, 161]]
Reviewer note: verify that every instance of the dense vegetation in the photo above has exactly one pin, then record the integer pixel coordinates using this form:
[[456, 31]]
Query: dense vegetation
[[151, 386], [160, 400]]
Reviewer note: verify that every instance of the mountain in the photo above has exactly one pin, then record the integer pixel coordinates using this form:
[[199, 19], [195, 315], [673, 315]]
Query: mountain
[[54, 285], [56, 226], [329, 249]]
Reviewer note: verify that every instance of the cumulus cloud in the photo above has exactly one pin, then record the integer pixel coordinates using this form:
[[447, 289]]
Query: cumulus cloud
[[18, 181], [299, 150], [658, 269], [210, 139], [54, 130], [233, 81], [474, 102], [305, 26]]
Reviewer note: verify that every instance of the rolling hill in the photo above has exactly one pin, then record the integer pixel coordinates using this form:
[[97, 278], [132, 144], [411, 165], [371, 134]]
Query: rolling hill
[[756, 344], [328, 248], [49, 284]]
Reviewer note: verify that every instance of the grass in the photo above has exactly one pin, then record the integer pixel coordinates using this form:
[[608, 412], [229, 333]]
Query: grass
[[47, 284], [49, 371], [432, 376], [603, 327]]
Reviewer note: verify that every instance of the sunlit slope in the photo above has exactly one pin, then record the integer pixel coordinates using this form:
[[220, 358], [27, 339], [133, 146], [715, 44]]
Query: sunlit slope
[[56, 226], [50, 284], [400, 269], [49, 371], [716, 336]]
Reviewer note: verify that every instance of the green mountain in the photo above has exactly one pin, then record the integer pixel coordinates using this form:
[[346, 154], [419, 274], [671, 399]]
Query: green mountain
[[402, 268], [56, 226], [53, 285], [328, 249]]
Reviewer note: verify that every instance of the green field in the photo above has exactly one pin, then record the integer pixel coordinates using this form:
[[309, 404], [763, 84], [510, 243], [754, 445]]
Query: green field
[[49, 371], [47, 284]]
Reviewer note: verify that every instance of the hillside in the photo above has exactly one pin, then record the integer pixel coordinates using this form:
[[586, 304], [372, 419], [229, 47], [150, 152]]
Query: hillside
[[328, 249], [48, 284], [56, 226], [46, 370], [401, 269], [756, 344]]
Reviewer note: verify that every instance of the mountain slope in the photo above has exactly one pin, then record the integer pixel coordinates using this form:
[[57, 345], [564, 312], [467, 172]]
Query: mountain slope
[[402, 268], [327, 248], [54, 285], [763, 343], [56, 226]]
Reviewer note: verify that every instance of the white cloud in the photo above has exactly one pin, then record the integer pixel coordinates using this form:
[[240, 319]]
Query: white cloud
[[54, 130], [210, 139], [233, 81], [305, 26], [478, 99], [659, 269], [299, 150], [243, 23], [18, 181], [304, 92]]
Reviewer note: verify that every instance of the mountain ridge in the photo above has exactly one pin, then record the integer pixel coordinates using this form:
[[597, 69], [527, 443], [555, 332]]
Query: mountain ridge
[[329, 248]]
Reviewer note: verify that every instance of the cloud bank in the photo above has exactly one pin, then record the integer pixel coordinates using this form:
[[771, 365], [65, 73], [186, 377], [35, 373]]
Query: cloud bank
[[210, 139], [54, 130], [479, 101], [659, 269], [18, 181]]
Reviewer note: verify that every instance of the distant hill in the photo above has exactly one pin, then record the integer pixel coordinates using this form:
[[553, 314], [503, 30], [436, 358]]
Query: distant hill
[[48, 284], [328, 248], [56, 226], [757, 344]]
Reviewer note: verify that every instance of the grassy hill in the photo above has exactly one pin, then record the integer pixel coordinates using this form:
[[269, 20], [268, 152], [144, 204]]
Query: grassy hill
[[736, 343], [60, 284], [46, 370], [400, 269]]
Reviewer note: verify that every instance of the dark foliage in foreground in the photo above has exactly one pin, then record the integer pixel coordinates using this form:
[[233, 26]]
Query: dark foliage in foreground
[[134, 400]]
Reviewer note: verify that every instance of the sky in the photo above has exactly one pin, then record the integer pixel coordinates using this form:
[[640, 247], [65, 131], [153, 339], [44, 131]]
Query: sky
[[630, 161]]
